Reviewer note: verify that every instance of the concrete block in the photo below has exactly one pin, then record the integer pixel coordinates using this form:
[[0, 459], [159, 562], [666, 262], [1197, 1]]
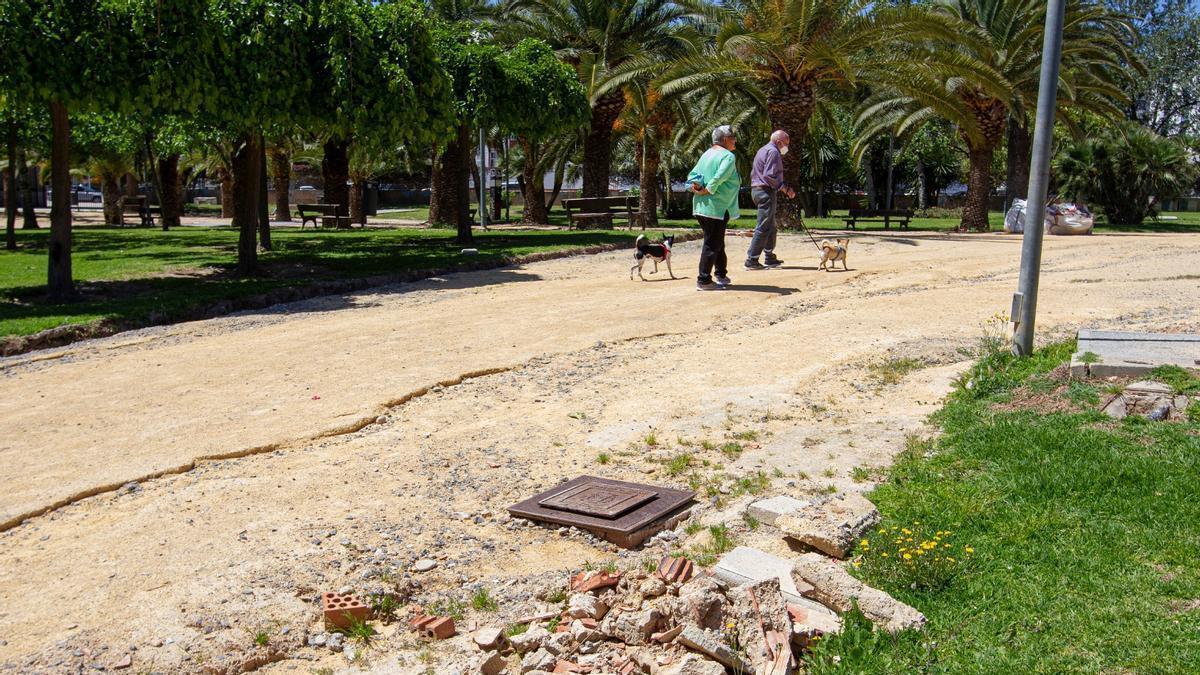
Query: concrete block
[[744, 565], [768, 510], [1131, 354], [832, 526]]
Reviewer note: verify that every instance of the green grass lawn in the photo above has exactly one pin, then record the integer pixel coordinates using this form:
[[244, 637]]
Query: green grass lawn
[[138, 276], [1084, 531]]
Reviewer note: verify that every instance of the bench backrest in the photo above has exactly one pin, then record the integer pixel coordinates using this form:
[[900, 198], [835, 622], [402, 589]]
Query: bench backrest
[[879, 213], [133, 204], [323, 209], [600, 204]]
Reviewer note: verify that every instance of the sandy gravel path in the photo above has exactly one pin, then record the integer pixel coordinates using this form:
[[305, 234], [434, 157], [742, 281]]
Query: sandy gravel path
[[565, 360]]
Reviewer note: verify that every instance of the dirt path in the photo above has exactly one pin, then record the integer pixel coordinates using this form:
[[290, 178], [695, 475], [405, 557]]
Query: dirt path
[[354, 475]]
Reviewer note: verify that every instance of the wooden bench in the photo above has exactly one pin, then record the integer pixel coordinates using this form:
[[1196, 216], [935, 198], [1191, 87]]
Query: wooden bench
[[885, 216], [136, 206], [328, 214], [603, 209]]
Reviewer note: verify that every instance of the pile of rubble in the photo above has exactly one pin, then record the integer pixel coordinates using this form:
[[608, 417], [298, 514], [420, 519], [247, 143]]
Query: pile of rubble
[[751, 613], [1153, 400]]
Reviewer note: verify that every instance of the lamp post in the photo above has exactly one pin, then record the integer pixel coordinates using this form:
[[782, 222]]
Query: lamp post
[[1024, 306]]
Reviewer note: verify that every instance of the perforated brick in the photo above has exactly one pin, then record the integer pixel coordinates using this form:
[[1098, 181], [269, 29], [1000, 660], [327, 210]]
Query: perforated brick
[[342, 609]]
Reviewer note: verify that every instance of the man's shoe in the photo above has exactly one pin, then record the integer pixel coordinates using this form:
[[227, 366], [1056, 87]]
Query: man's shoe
[[723, 282], [707, 286], [752, 265], [774, 262]]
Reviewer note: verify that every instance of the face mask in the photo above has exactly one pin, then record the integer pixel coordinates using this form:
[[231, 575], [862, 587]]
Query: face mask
[[783, 150]]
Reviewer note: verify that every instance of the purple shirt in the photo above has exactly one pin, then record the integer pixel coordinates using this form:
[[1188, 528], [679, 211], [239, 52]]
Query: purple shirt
[[768, 168]]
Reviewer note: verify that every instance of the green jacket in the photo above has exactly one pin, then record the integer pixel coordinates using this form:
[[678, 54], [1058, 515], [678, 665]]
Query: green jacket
[[717, 171]]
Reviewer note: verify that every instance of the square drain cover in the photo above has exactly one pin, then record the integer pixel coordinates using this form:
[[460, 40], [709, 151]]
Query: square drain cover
[[598, 499], [624, 513]]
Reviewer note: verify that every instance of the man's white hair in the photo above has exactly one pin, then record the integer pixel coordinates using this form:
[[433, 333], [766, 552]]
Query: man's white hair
[[779, 135], [721, 133]]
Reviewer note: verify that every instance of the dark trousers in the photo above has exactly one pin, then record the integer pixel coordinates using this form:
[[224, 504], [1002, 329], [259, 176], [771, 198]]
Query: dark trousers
[[712, 254]]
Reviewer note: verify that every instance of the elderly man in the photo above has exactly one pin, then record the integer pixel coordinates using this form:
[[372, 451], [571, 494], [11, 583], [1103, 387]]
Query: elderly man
[[715, 183], [766, 182]]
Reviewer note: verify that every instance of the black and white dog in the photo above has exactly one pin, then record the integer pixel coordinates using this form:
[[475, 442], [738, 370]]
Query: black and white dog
[[660, 252]]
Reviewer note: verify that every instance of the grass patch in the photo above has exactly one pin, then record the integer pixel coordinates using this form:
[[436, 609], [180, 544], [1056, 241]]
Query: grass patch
[[603, 458], [651, 439], [892, 370], [1073, 539], [678, 464], [732, 450], [483, 601]]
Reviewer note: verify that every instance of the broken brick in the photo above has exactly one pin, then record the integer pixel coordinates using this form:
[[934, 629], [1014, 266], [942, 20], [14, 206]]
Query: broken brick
[[675, 570], [342, 609], [436, 627], [568, 667], [591, 581]]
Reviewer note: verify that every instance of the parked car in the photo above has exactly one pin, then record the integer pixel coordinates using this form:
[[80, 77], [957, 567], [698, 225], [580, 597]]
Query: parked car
[[306, 188], [87, 193]]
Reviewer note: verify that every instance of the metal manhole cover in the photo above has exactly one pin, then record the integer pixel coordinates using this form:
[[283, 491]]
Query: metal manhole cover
[[639, 511], [598, 499]]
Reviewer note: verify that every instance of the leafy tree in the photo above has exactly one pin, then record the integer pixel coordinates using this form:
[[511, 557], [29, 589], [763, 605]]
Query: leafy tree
[[107, 143], [790, 54], [594, 37], [1127, 171], [524, 91], [1168, 98], [378, 78], [990, 69]]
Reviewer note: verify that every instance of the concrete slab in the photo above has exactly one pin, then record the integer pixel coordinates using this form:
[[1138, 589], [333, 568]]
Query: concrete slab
[[1131, 354], [744, 565], [768, 510]]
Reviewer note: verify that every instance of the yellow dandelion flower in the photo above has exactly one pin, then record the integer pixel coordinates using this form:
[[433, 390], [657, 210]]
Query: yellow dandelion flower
[[883, 555], [907, 556], [906, 531], [951, 559], [864, 543], [920, 552], [858, 563], [883, 530], [968, 549], [945, 545]]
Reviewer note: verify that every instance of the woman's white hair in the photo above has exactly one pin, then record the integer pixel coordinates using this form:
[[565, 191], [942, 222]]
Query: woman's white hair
[[721, 133]]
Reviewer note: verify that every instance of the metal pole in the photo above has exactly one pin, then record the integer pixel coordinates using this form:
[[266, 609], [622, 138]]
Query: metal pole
[[1024, 305]]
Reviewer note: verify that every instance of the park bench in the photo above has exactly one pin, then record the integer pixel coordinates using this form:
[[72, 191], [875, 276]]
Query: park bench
[[328, 214], [136, 206], [885, 216], [601, 209]]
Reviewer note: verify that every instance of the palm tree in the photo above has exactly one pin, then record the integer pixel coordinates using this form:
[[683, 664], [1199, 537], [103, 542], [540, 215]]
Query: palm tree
[[992, 70], [788, 54], [594, 37]]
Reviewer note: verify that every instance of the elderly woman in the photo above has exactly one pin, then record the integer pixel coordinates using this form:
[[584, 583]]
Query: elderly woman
[[714, 184]]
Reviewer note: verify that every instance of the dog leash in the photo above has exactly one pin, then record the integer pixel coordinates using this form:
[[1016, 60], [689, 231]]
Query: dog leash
[[800, 219]]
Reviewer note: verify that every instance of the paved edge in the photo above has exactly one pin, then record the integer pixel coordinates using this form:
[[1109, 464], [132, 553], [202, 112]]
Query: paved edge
[[76, 332]]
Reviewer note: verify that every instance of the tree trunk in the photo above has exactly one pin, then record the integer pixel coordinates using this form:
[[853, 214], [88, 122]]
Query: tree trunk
[[597, 147], [790, 110], [443, 197], [979, 186], [225, 177], [10, 190], [462, 184], [647, 159], [111, 194], [1019, 147], [356, 203], [171, 199], [922, 186], [59, 283], [533, 189], [335, 170], [246, 158], [131, 185], [560, 171], [27, 175], [264, 217], [281, 179]]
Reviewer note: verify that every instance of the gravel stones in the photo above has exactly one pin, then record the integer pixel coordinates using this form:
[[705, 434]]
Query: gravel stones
[[835, 588], [833, 526], [424, 565]]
